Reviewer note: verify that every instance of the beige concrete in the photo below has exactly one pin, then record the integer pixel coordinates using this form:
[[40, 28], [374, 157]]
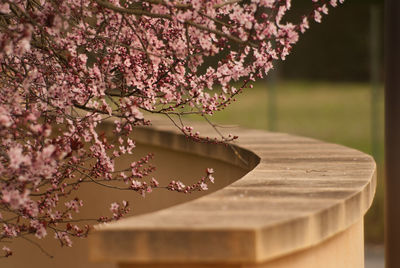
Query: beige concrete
[[344, 250], [300, 193]]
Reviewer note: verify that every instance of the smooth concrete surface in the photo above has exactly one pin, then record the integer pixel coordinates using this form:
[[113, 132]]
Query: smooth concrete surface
[[298, 195], [344, 250]]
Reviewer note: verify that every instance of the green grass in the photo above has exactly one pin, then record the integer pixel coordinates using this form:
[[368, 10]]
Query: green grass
[[333, 112]]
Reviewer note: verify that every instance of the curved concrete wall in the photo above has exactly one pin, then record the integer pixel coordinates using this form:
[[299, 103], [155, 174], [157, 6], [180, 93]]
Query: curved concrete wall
[[170, 164], [301, 205]]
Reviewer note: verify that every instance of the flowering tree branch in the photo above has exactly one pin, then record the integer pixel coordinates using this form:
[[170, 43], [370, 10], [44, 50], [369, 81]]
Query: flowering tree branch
[[66, 66]]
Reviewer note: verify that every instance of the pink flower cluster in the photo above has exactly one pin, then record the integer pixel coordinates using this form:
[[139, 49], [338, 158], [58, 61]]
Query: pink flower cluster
[[201, 185], [68, 65]]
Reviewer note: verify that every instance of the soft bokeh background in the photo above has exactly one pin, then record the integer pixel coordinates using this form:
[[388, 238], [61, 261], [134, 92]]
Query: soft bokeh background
[[329, 88]]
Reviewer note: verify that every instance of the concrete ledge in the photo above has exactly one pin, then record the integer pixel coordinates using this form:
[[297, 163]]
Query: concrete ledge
[[299, 193]]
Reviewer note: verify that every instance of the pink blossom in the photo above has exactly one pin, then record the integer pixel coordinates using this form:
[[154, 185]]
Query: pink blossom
[[7, 251], [304, 25], [317, 16], [154, 182], [14, 198], [333, 3], [64, 238], [203, 186], [17, 157], [9, 231], [114, 207], [40, 230], [324, 9], [63, 75], [5, 8]]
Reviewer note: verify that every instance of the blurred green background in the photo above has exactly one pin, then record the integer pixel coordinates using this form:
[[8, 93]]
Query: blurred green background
[[329, 88]]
